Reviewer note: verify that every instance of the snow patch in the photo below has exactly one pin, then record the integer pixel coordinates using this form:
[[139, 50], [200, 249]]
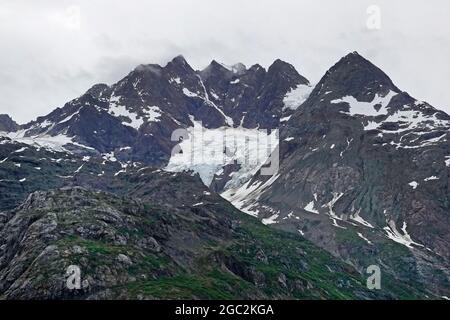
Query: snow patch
[[413, 184], [189, 93], [330, 205], [310, 207], [109, 157], [228, 120], [152, 113], [357, 218], [245, 198], [121, 111], [284, 119], [54, 143], [21, 150], [395, 235], [271, 220], [177, 80], [296, 96], [367, 108], [364, 238]]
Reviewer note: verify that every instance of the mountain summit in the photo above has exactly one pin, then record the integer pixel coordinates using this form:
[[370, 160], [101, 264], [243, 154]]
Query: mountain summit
[[7, 124]]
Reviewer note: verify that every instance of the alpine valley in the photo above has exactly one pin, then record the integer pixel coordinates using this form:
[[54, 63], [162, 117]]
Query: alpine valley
[[103, 184]]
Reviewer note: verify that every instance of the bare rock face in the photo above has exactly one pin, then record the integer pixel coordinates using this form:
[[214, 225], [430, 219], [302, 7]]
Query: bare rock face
[[7, 124]]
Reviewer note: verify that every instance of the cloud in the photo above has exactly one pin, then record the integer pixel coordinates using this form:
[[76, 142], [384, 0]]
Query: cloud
[[53, 51]]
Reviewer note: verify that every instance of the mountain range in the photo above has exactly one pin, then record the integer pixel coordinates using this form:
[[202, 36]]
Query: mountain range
[[362, 180]]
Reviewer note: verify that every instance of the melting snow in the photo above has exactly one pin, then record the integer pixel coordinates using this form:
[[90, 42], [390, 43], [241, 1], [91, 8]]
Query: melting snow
[[228, 119], [121, 111], [364, 238], [69, 117], [310, 208], [413, 184], [297, 96], [367, 108], [245, 198], [189, 93], [395, 235], [55, 143], [21, 150], [356, 217], [109, 157], [410, 120], [242, 197], [271, 220], [197, 204], [176, 80], [152, 113], [215, 96], [330, 205], [284, 119], [79, 169]]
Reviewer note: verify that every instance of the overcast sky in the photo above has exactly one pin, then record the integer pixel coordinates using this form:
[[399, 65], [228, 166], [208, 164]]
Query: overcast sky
[[53, 51]]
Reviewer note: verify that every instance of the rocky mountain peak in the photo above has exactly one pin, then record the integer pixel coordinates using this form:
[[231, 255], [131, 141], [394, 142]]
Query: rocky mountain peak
[[97, 89], [145, 69], [7, 123], [353, 75], [285, 72], [216, 69], [179, 59], [179, 63], [239, 68]]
